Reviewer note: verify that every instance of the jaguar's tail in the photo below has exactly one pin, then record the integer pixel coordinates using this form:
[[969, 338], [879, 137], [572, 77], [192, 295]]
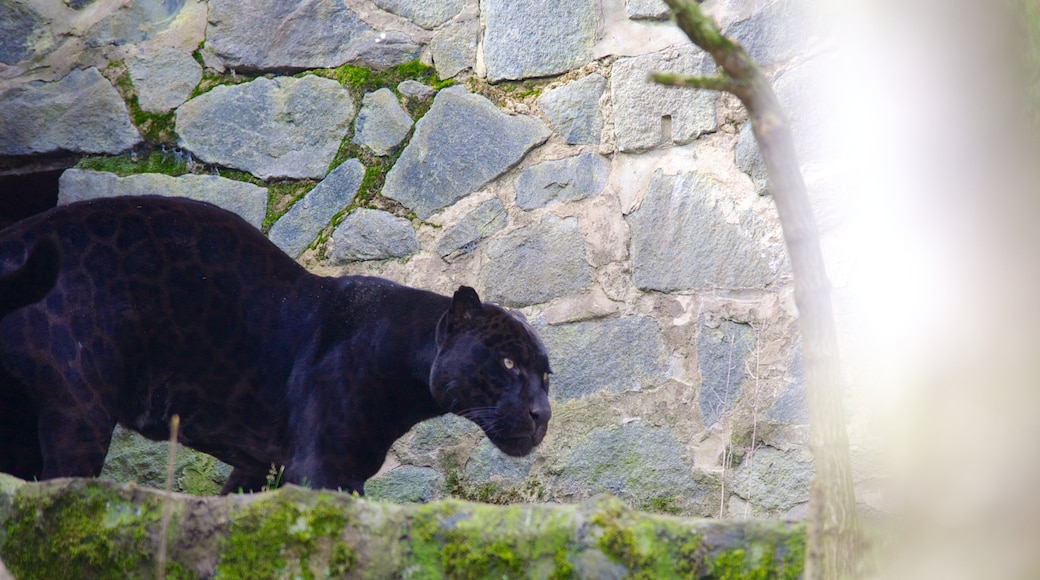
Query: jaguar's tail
[[31, 281]]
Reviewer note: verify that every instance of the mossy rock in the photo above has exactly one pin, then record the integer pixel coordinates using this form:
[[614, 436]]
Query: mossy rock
[[88, 528]]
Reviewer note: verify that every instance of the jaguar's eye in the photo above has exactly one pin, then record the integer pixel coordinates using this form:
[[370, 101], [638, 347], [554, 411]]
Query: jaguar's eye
[[545, 377], [508, 363]]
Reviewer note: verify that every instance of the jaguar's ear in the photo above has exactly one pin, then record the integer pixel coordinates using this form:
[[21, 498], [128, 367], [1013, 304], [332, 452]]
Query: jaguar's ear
[[465, 305]]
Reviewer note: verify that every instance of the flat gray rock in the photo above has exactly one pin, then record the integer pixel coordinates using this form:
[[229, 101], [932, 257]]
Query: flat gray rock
[[439, 433], [281, 127], [486, 462], [406, 484], [721, 356], [454, 48], [258, 34], [649, 115], [536, 263], [81, 113], [573, 109], [426, 13], [647, 10], [245, 199], [614, 355], [163, 78], [372, 234], [634, 462], [568, 179], [415, 89], [295, 230], [133, 22], [774, 480], [461, 144], [682, 240], [463, 237], [19, 24], [382, 124], [537, 38]]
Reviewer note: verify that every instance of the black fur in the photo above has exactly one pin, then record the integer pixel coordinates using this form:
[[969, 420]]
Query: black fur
[[131, 310]]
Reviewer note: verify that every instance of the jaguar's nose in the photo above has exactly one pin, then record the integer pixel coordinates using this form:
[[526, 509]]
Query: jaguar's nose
[[541, 412]]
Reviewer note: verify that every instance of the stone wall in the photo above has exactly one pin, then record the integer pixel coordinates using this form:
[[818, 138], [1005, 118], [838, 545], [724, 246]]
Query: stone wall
[[630, 222]]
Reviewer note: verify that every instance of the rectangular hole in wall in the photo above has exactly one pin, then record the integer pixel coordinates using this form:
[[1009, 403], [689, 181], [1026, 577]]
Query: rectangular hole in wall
[[666, 130]]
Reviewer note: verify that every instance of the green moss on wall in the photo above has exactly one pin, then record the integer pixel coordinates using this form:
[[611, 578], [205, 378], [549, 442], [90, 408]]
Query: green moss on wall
[[157, 161], [87, 532], [662, 549], [277, 537], [457, 540], [155, 128]]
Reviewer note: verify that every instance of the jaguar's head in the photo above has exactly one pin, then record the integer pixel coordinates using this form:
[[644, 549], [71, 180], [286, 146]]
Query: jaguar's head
[[492, 369]]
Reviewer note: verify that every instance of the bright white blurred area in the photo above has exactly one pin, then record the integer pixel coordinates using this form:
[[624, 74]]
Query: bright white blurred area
[[944, 294]]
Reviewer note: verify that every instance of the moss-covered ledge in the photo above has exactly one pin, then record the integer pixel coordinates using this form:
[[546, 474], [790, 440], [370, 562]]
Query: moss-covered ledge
[[87, 528]]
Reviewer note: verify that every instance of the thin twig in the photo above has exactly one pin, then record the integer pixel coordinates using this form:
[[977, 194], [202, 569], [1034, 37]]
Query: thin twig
[[175, 424], [754, 414]]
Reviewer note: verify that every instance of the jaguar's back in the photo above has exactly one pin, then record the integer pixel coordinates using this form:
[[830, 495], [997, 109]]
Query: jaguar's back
[[126, 306]]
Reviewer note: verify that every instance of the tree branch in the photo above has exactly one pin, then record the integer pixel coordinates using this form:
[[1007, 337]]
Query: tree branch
[[834, 532], [716, 83]]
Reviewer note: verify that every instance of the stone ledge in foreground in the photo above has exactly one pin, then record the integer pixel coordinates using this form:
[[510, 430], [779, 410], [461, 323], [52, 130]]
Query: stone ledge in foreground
[[88, 528]]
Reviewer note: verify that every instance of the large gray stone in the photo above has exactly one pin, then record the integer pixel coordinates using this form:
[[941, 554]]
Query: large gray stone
[[792, 407], [382, 124], [439, 433], [245, 199], [406, 484], [809, 101], [454, 47], [537, 38], [295, 230], [426, 13], [573, 109], [634, 462], [486, 462], [773, 480], [133, 22], [81, 113], [463, 237], [260, 34], [19, 24], [280, 127], [749, 159], [372, 234], [648, 115], [163, 78], [647, 9], [613, 355], [461, 144], [722, 352], [682, 239], [132, 458], [569, 179], [537, 263], [777, 33]]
